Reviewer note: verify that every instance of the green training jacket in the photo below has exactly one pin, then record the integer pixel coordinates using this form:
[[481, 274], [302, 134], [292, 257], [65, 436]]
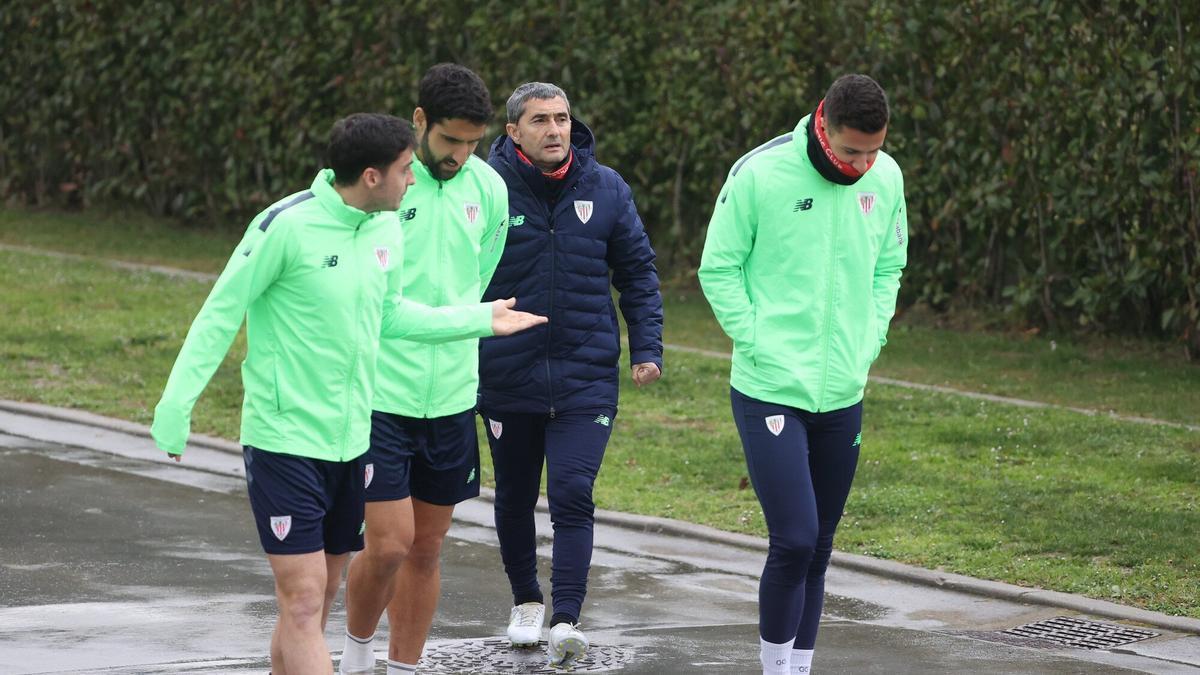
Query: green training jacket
[[318, 282], [454, 233], [802, 273]]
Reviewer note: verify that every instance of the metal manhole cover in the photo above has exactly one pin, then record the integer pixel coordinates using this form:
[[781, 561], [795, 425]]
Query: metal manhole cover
[[495, 655], [1065, 630]]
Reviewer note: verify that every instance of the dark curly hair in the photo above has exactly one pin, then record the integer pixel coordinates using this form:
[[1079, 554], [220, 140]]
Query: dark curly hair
[[858, 102], [450, 91], [366, 140]]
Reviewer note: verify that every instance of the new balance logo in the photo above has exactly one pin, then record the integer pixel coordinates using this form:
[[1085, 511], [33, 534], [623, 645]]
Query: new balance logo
[[516, 221], [602, 420], [471, 478], [329, 261], [802, 205], [407, 214], [857, 439]]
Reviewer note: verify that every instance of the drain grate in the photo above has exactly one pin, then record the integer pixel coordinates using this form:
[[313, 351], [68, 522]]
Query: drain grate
[[495, 655], [1065, 630]]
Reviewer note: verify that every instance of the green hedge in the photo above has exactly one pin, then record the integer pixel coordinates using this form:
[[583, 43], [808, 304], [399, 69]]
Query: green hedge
[[1050, 148]]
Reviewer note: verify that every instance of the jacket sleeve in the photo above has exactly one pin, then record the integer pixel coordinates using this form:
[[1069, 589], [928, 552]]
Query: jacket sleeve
[[893, 255], [727, 245], [403, 318], [636, 280], [491, 246], [256, 263]]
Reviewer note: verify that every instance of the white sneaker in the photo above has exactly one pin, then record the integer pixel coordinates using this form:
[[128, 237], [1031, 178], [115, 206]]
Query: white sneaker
[[567, 643], [525, 624]]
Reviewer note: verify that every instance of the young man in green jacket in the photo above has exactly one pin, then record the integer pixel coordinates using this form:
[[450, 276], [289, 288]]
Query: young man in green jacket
[[317, 279], [424, 454], [801, 266]]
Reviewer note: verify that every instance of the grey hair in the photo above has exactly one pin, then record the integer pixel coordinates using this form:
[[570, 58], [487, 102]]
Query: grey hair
[[539, 90]]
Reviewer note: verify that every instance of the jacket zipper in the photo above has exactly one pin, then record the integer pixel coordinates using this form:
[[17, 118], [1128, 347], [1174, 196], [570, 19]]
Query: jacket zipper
[[553, 267], [829, 292], [433, 349], [354, 355], [550, 310]]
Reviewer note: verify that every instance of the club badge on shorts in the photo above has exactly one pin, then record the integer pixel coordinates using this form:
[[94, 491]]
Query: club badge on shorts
[[280, 526], [368, 474], [382, 254], [497, 428], [472, 209], [583, 209], [866, 202], [775, 424]]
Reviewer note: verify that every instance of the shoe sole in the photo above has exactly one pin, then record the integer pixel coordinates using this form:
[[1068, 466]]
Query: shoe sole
[[523, 645], [571, 649]]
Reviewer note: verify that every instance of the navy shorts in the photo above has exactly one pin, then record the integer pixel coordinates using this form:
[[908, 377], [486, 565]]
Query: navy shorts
[[303, 505], [434, 459]]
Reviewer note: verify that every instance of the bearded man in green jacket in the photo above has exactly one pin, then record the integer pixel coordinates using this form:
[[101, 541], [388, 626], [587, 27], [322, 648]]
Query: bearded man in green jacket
[[317, 277], [424, 455], [801, 266]]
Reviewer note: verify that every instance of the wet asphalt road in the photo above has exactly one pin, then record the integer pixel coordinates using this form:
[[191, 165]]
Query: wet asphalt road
[[112, 563]]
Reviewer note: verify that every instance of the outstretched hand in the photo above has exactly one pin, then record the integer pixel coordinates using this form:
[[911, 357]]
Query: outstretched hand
[[506, 320], [645, 373]]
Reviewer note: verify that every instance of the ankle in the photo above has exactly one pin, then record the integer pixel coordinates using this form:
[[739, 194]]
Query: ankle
[[563, 617]]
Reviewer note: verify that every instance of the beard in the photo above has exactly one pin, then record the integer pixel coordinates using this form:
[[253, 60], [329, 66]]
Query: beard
[[437, 167]]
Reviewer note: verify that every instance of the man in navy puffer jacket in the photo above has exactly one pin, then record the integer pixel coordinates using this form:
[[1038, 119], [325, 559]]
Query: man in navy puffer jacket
[[550, 394]]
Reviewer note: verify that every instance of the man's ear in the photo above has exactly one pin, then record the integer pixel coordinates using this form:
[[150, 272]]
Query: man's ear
[[419, 120], [512, 131], [371, 177]]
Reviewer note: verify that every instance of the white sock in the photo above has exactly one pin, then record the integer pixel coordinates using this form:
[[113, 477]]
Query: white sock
[[357, 655], [776, 659], [801, 661], [397, 668]]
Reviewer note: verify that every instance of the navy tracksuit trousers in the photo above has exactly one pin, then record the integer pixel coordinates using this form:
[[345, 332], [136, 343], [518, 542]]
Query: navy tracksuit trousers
[[571, 445], [801, 465]]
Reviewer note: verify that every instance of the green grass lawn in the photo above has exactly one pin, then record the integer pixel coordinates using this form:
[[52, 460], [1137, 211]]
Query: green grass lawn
[[85, 335], [1043, 498], [122, 236]]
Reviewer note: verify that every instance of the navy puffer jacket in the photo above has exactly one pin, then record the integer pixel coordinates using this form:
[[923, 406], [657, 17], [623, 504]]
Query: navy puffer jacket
[[563, 239]]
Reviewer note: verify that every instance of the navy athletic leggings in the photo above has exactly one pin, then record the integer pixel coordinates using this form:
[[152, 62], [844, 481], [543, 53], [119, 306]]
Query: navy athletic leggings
[[572, 446], [801, 465]]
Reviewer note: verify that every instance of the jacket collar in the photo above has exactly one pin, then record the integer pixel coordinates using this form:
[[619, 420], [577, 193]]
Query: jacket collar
[[322, 188]]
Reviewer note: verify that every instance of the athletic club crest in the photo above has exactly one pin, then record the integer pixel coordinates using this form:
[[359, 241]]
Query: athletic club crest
[[775, 424], [280, 526], [472, 210], [497, 428], [368, 474], [381, 254], [866, 201], [583, 209]]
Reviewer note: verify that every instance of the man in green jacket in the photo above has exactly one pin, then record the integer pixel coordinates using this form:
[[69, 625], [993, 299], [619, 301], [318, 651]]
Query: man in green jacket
[[424, 454], [317, 278], [801, 266]]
